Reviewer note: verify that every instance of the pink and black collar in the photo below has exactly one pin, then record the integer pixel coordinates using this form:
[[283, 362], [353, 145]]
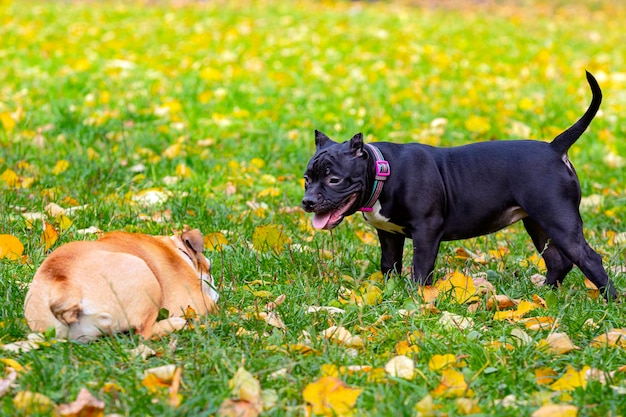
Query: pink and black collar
[[382, 172]]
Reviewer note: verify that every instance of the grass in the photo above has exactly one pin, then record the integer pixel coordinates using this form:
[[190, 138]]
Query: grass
[[224, 97]]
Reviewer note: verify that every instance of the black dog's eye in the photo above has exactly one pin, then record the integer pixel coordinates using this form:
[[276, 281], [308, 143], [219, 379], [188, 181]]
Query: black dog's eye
[[334, 180], [306, 182]]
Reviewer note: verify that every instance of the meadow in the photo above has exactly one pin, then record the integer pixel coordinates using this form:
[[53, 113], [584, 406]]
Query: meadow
[[148, 116]]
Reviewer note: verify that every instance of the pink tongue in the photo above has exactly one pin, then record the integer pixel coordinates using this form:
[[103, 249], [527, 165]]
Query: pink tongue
[[321, 220]]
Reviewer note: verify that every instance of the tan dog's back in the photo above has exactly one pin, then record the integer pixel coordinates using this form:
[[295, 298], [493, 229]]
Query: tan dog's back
[[118, 283]]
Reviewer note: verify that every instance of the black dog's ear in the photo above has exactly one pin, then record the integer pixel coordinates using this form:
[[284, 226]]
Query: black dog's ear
[[356, 145], [321, 140]]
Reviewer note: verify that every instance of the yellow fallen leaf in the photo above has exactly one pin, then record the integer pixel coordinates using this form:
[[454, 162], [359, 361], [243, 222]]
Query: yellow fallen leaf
[[33, 403], [428, 293], [438, 362], [545, 375], [500, 302], [159, 377], [426, 407], [244, 386], [60, 167], [12, 363], [263, 294], [372, 295], [401, 367], [183, 171], [467, 406], [452, 321], [556, 410], [558, 343], [215, 241], [342, 336], [459, 286], [367, 237], [330, 396], [522, 308], [269, 237], [614, 337], [49, 236], [539, 323], [7, 121], [273, 319], [571, 379], [10, 178], [10, 247], [403, 347], [84, 405], [452, 384], [477, 124]]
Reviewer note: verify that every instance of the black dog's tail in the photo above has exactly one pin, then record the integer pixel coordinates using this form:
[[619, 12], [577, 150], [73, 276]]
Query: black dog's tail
[[566, 139]]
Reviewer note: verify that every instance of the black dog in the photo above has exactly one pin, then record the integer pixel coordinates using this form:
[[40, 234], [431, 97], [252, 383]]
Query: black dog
[[431, 194]]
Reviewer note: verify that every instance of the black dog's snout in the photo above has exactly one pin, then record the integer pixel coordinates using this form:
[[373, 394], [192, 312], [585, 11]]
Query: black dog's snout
[[308, 203]]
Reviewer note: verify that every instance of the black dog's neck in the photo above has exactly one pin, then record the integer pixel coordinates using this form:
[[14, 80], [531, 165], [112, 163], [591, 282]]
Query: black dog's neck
[[374, 184]]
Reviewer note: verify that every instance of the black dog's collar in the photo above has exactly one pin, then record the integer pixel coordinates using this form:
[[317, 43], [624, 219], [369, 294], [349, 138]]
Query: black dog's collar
[[382, 172]]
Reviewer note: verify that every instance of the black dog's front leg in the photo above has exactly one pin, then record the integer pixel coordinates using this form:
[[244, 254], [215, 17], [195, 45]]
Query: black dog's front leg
[[425, 249], [392, 245]]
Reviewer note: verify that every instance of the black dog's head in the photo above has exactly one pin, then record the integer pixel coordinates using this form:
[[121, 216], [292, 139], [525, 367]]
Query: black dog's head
[[335, 180]]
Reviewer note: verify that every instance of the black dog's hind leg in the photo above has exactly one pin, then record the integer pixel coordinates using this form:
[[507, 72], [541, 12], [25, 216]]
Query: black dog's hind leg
[[391, 245], [566, 232], [557, 264]]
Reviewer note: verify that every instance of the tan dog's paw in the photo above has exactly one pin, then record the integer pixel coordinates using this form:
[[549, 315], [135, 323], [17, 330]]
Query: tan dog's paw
[[169, 325]]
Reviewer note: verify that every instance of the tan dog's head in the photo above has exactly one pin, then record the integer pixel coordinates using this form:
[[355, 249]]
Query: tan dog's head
[[191, 244]]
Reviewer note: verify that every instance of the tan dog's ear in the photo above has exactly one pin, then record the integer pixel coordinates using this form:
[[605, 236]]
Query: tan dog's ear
[[193, 240]]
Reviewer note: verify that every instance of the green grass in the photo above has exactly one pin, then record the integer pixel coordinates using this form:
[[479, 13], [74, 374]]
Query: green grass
[[241, 86]]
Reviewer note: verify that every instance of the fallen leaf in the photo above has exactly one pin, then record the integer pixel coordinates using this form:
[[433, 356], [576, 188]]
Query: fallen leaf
[[571, 379], [467, 406], [545, 375], [342, 336], [33, 403], [367, 237], [330, 396], [452, 384], [244, 386], [539, 323], [60, 167], [237, 408], [426, 407], [459, 286], [143, 351], [85, 405], [159, 377], [501, 302], [556, 410], [273, 319], [401, 366], [522, 309], [10, 247], [454, 321], [559, 343], [215, 241], [49, 236], [8, 380], [269, 237], [331, 310], [438, 362], [428, 293], [614, 337], [403, 347]]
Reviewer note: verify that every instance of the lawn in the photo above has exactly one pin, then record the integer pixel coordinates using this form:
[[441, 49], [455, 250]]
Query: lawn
[[147, 116]]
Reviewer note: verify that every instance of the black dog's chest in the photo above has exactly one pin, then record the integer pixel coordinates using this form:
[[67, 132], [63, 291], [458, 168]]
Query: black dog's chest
[[376, 219]]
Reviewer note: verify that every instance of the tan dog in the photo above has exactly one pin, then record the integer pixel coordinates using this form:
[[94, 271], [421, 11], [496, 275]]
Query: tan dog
[[120, 282]]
